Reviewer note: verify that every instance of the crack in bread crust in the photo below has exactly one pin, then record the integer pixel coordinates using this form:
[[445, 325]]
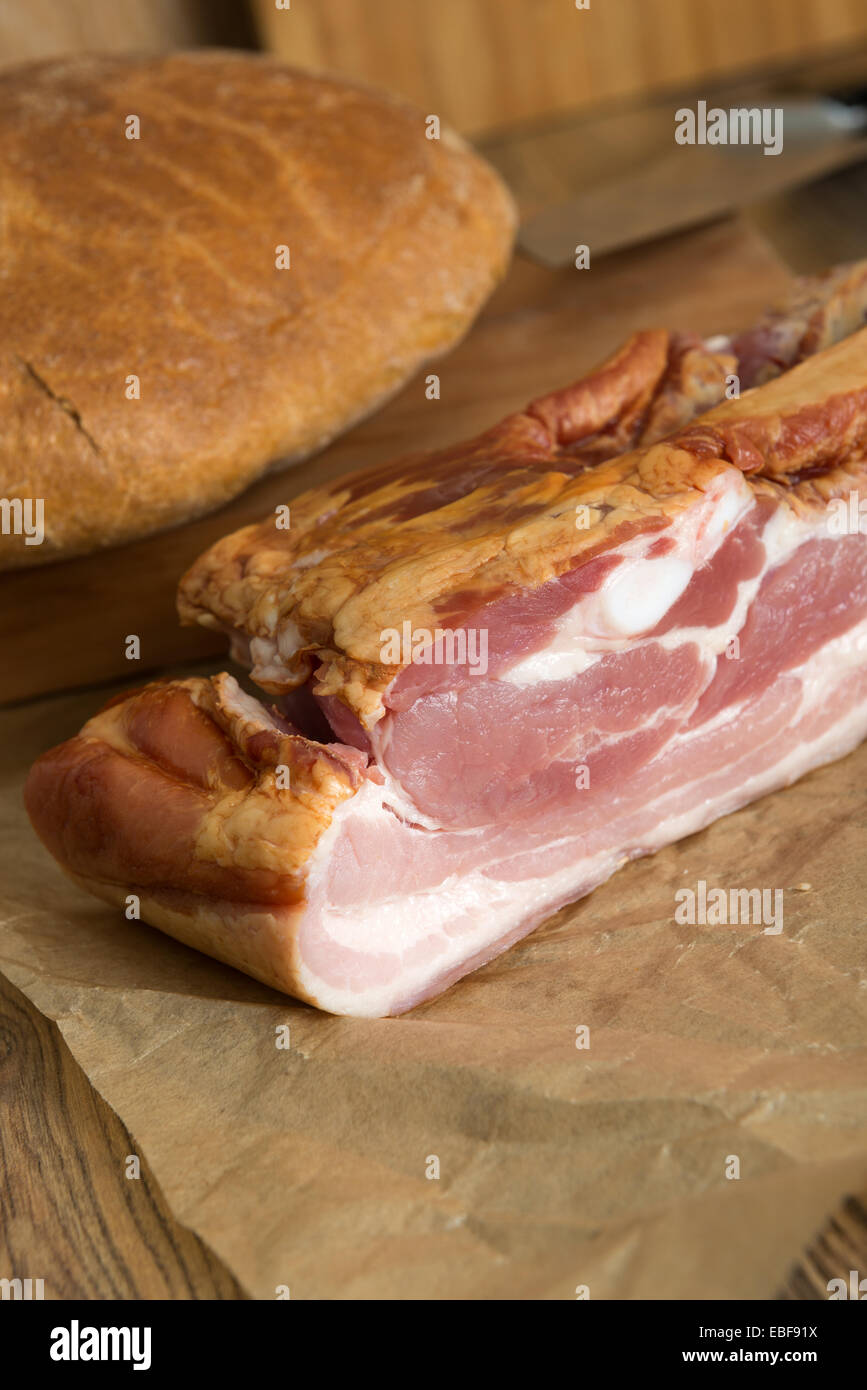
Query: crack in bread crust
[[62, 404], [155, 258]]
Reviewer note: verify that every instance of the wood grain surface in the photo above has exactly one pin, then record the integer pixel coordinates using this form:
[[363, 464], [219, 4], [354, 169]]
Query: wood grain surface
[[68, 1213], [839, 1247], [481, 64], [32, 29]]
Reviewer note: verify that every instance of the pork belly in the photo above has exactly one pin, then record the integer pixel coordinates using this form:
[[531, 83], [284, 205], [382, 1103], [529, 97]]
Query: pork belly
[[649, 642]]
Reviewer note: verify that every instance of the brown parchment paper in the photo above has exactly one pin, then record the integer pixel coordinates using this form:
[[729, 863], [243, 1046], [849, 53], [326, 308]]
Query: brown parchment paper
[[559, 1166]]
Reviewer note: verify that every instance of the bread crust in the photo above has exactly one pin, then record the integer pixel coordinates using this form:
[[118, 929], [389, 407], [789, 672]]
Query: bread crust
[[155, 258]]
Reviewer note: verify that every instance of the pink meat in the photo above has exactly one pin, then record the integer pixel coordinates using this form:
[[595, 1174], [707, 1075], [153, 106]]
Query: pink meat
[[478, 828]]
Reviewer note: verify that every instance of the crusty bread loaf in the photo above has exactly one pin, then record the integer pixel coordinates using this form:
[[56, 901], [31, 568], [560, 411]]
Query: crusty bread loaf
[[156, 258]]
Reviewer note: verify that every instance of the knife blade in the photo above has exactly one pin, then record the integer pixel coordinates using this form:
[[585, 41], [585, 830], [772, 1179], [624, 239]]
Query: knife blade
[[691, 184]]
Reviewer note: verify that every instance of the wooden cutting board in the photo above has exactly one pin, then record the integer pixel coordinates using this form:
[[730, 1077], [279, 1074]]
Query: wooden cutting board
[[66, 625]]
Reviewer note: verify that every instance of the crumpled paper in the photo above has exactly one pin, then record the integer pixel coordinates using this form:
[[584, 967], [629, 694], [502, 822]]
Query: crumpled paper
[[561, 1169]]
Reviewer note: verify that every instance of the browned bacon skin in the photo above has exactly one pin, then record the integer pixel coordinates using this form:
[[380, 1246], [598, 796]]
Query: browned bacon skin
[[175, 786]]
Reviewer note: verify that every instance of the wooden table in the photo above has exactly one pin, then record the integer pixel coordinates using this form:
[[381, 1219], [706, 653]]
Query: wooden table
[[68, 1213]]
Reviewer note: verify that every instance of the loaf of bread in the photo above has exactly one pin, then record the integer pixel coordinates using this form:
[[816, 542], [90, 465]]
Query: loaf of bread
[[212, 264]]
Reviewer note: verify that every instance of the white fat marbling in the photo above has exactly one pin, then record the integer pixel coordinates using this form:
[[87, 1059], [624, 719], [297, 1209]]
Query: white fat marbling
[[640, 591], [638, 595]]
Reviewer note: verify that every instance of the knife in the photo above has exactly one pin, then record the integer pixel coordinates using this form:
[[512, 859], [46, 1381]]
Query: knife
[[689, 184]]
